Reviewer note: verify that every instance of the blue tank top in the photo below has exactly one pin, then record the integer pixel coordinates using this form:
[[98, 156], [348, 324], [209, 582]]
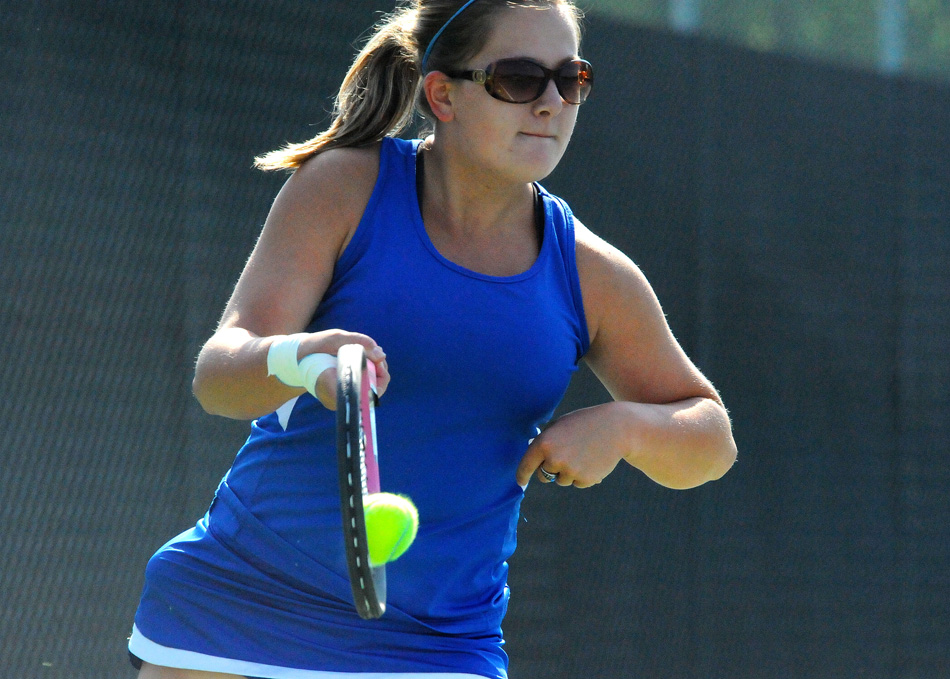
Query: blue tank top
[[478, 363]]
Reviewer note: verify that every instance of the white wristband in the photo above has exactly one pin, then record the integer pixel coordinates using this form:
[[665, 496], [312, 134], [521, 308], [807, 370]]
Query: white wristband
[[312, 366], [282, 359]]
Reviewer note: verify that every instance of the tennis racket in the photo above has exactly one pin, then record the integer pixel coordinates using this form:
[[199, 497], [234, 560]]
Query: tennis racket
[[359, 473]]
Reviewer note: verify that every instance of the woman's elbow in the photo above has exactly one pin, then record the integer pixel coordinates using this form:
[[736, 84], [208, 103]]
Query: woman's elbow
[[214, 399], [718, 460], [723, 460], [710, 465], [721, 451], [204, 394]]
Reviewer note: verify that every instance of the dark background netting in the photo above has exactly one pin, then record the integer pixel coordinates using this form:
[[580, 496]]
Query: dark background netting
[[792, 217]]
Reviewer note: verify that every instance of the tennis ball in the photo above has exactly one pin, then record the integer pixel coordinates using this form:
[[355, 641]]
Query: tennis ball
[[391, 525]]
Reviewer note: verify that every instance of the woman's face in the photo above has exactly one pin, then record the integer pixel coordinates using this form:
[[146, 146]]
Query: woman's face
[[523, 142]]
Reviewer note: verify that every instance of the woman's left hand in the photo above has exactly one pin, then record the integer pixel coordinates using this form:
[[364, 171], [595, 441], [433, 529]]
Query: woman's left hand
[[576, 447]]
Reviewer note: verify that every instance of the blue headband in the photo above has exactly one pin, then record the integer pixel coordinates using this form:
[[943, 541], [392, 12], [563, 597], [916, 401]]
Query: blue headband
[[425, 57]]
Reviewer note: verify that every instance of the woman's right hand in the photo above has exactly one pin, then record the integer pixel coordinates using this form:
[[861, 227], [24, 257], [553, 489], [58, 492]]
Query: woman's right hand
[[329, 342]]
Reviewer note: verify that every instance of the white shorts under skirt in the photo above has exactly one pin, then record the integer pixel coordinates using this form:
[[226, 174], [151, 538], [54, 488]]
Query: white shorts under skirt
[[156, 654]]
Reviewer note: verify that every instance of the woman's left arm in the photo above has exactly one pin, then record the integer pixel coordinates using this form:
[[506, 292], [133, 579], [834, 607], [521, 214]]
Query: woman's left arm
[[667, 419]]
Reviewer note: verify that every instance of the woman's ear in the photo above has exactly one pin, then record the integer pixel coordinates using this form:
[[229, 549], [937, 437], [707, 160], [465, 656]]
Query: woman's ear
[[438, 90]]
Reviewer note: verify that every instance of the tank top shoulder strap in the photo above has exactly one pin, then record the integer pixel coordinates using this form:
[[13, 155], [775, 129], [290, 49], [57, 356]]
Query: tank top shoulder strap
[[558, 213], [393, 195]]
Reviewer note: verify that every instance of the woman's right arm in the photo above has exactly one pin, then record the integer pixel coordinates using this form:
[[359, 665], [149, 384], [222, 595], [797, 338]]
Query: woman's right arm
[[310, 224]]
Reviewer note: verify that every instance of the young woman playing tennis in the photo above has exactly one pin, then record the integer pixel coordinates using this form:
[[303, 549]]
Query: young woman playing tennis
[[485, 292]]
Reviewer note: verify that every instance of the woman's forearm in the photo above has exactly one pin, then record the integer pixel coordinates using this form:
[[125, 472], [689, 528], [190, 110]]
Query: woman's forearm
[[232, 377], [679, 445]]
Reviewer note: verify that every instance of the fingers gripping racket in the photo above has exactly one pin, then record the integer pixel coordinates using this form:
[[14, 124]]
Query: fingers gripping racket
[[359, 473]]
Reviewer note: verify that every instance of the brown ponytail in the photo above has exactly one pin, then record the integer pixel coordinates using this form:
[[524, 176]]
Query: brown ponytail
[[375, 100]]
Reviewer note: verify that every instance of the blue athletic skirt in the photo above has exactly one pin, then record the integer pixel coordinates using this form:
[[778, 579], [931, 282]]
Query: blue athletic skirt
[[231, 596]]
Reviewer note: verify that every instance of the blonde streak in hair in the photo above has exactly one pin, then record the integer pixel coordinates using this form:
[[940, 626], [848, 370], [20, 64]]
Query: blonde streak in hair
[[375, 99]]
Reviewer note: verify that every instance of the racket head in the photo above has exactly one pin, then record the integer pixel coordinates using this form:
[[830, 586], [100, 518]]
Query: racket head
[[358, 464]]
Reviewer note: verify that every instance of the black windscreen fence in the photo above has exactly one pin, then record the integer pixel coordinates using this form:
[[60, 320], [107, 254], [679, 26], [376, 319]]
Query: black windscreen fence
[[792, 217]]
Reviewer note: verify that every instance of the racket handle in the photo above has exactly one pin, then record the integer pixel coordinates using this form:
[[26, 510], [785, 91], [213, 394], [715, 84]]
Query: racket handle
[[371, 371], [312, 366]]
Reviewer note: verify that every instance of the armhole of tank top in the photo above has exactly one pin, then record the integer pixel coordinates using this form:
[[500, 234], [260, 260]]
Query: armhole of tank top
[[361, 237], [568, 249]]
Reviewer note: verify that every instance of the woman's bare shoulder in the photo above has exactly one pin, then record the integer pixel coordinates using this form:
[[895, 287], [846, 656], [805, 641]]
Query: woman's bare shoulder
[[327, 195], [337, 179]]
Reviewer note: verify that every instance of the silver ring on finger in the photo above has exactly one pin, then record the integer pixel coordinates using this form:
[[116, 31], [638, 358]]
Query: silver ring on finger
[[548, 476]]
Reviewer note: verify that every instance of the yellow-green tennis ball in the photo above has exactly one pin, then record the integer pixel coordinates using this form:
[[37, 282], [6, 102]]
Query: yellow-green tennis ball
[[391, 525]]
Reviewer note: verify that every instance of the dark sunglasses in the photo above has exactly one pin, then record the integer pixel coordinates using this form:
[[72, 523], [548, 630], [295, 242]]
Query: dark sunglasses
[[521, 81]]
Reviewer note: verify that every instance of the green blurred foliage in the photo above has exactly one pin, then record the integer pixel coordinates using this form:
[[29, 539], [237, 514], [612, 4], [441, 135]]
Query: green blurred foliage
[[928, 31], [841, 31], [646, 12]]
